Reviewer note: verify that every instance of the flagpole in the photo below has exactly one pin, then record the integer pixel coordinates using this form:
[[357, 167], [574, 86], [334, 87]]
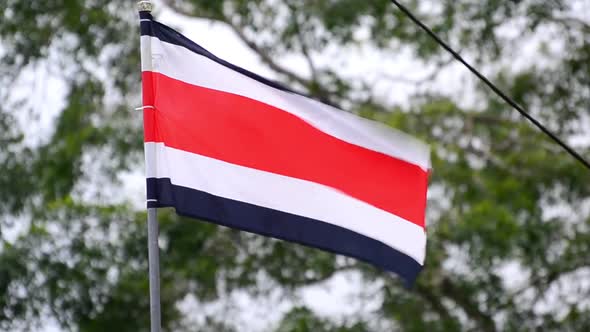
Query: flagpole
[[154, 268], [152, 217]]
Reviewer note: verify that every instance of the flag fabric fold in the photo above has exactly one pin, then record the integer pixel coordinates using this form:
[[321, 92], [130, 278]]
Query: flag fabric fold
[[225, 145]]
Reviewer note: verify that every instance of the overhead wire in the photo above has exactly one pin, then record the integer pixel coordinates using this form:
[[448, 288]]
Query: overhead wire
[[492, 86]]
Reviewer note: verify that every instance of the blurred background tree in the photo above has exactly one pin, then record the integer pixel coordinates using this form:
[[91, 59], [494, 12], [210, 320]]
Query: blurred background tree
[[509, 211]]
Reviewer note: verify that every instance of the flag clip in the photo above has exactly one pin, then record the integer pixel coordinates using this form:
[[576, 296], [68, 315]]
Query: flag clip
[[144, 107]]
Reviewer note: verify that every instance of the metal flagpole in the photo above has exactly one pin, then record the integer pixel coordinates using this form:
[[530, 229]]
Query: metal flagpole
[[152, 219], [154, 267]]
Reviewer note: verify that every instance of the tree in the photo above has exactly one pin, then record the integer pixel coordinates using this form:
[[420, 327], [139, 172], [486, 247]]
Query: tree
[[508, 219]]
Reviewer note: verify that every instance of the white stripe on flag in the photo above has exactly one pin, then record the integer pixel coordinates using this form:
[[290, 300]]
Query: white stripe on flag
[[282, 193]]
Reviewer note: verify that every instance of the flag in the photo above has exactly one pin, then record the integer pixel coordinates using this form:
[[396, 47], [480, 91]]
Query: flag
[[227, 146]]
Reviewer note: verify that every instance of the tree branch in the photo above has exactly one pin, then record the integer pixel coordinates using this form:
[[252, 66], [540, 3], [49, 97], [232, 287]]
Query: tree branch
[[191, 13], [570, 21], [485, 322], [265, 56], [303, 44], [312, 86], [434, 301], [262, 53], [418, 81]]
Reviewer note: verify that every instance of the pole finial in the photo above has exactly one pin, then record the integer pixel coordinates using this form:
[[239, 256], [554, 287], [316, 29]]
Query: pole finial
[[145, 6]]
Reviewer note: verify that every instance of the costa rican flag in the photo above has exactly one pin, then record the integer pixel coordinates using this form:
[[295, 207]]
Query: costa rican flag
[[225, 145]]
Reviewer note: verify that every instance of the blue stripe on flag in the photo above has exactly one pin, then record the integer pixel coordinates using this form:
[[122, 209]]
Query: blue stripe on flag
[[281, 225]]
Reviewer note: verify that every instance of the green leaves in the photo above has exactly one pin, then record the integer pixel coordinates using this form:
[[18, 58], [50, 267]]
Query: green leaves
[[301, 319]]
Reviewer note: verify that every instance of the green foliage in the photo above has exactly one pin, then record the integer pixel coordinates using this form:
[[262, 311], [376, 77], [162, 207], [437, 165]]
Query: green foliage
[[303, 320], [508, 218]]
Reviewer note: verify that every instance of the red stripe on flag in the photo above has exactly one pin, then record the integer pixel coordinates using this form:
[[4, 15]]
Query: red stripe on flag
[[147, 87], [249, 133]]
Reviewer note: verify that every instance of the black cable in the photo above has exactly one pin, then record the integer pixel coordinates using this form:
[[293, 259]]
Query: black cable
[[492, 86]]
